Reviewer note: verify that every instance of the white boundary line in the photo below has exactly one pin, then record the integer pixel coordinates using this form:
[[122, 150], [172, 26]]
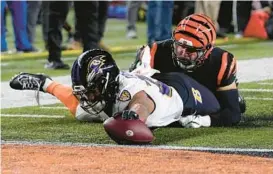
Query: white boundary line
[[256, 90], [210, 149], [32, 116]]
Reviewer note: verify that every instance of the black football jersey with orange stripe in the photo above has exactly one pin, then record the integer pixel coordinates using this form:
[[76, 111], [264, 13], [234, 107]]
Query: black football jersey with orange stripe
[[218, 70]]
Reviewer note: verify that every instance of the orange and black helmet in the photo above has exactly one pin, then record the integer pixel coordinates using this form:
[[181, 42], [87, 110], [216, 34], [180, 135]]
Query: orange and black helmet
[[197, 34]]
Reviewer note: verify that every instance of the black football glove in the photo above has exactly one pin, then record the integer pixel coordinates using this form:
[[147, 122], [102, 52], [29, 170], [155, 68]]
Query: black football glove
[[129, 115]]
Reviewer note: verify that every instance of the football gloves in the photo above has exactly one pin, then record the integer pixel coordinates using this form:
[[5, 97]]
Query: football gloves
[[129, 115]]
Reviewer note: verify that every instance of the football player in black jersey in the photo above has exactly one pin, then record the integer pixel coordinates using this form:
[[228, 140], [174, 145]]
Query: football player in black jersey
[[192, 50]]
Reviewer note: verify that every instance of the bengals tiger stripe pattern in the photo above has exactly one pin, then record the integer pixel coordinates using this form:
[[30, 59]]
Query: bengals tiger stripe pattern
[[198, 29]]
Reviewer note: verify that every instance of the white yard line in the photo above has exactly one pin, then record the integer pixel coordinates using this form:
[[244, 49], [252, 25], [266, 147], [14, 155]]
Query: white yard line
[[256, 90], [265, 83], [164, 147], [32, 116], [57, 107], [257, 98]]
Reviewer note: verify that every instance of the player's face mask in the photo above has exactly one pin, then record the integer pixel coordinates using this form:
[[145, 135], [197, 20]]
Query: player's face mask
[[187, 57], [91, 100]]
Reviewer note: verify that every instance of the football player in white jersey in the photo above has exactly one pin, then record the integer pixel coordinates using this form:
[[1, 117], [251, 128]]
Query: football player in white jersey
[[100, 90]]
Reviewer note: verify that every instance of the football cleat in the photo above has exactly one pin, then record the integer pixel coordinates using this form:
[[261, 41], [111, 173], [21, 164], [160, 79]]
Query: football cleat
[[27, 81]]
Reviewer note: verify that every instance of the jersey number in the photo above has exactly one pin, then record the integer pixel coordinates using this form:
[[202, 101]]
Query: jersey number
[[163, 88]]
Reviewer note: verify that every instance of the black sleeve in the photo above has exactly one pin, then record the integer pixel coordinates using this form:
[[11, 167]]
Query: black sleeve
[[230, 113]]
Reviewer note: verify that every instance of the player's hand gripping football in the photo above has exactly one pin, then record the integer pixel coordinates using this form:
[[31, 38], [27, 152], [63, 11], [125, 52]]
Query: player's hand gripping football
[[129, 115]]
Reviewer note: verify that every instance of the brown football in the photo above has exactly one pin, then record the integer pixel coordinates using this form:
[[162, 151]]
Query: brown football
[[128, 131]]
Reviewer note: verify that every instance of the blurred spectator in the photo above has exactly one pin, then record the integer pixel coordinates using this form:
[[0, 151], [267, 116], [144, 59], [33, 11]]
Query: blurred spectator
[[159, 20], [44, 20], [69, 29], [87, 21], [103, 8], [225, 17], [102, 18], [19, 20], [269, 23], [131, 16], [33, 9], [241, 15], [181, 10], [44, 14], [211, 9]]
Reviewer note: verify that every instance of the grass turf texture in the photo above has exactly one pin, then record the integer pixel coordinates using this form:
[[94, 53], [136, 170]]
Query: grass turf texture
[[254, 132]]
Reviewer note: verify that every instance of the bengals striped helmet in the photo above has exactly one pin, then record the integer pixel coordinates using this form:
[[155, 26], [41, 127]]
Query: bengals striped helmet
[[193, 37]]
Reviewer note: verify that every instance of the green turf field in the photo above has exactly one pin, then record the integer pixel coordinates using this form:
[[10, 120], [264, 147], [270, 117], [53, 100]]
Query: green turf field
[[255, 131]]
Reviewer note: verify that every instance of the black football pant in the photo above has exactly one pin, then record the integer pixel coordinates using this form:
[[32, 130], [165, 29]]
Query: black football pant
[[86, 13], [197, 99]]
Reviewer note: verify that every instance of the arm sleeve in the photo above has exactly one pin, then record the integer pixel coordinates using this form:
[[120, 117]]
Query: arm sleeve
[[230, 113], [227, 71]]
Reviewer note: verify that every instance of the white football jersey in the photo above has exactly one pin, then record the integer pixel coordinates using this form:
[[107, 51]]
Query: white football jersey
[[168, 103]]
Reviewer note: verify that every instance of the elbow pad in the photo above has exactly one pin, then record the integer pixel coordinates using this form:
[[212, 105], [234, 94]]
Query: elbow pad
[[230, 113]]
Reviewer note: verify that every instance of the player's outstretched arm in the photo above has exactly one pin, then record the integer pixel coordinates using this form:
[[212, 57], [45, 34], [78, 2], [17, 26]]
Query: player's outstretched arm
[[140, 106], [230, 110]]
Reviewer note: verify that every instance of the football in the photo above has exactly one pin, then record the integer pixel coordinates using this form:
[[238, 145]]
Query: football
[[128, 131]]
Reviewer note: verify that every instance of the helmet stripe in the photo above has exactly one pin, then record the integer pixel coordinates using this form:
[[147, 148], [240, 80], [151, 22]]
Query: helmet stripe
[[191, 35], [200, 31], [207, 19], [208, 28]]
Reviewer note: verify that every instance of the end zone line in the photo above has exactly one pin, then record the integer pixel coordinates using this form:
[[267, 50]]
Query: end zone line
[[32, 116]]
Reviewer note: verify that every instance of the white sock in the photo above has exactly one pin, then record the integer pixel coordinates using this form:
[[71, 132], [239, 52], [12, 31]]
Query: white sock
[[47, 83]]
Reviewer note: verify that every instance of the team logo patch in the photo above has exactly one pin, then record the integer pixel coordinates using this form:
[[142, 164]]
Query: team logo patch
[[125, 96]]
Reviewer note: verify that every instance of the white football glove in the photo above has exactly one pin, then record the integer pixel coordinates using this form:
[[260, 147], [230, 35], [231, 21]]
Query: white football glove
[[195, 121]]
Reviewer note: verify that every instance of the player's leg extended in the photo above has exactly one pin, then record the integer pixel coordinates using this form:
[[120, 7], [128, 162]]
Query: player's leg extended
[[27, 81], [64, 94]]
